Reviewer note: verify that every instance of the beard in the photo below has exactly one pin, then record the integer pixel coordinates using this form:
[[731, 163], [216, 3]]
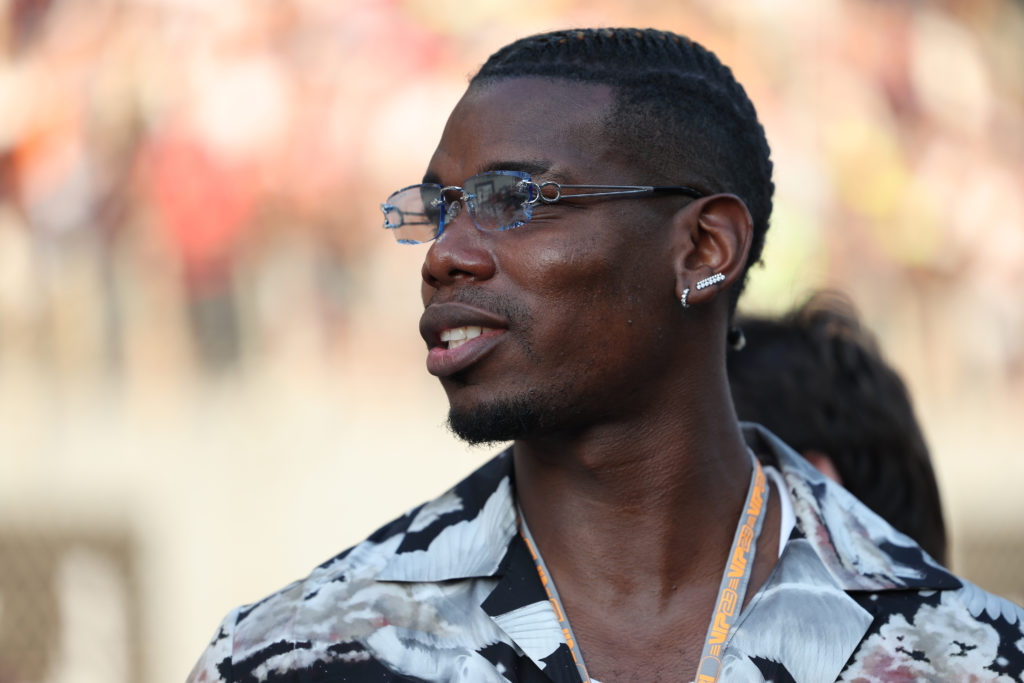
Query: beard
[[500, 420], [513, 417]]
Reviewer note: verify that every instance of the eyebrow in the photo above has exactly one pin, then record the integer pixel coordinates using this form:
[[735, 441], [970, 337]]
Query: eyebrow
[[532, 166]]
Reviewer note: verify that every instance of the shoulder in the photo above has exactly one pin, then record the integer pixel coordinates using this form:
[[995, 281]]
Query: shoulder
[[862, 551], [951, 635], [352, 599], [922, 621], [263, 633]]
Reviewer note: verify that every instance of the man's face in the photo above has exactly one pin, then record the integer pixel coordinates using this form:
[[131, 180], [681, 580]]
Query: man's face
[[571, 307]]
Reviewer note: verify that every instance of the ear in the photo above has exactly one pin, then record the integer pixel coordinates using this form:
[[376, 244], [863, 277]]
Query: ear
[[713, 235]]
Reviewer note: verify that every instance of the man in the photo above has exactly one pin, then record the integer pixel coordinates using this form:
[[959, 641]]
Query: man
[[816, 378], [629, 533]]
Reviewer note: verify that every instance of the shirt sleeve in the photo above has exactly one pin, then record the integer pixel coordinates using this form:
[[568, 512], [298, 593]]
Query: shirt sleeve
[[215, 664]]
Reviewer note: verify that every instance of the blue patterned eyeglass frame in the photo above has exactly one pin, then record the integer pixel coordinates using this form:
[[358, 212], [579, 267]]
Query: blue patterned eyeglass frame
[[496, 201]]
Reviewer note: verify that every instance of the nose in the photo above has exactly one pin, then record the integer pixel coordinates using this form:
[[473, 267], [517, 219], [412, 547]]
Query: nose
[[461, 254]]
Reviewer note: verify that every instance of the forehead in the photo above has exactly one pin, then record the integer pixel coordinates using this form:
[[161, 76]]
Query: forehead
[[553, 123]]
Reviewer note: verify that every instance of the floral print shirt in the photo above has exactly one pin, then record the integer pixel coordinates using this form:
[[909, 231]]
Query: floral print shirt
[[449, 592]]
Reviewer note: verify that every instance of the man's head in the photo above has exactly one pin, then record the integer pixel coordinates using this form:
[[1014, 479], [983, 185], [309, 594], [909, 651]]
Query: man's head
[[678, 115], [816, 379], [575, 299]]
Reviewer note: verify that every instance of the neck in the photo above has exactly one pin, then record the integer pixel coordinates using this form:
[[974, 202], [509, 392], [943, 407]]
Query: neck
[[624, 498]]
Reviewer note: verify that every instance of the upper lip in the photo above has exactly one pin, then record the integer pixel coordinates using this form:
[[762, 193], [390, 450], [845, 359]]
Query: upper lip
[[445, 316]]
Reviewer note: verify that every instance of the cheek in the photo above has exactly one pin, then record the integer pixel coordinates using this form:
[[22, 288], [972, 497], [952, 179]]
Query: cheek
[[572, 286], [587, 302], [599, 279], [564, 263]]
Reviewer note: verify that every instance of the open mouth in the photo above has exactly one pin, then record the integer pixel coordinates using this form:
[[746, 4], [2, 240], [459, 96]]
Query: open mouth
[[458, 348], [457, 336]]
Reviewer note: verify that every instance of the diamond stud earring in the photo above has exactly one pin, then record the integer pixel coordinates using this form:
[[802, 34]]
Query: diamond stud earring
[[708, 281]]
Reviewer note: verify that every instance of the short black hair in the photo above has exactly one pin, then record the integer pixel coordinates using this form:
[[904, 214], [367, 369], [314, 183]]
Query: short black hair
[[816, 378], [679, 112]]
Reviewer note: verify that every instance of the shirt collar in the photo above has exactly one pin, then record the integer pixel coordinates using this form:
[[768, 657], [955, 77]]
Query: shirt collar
[[467, 532], [859, 548]]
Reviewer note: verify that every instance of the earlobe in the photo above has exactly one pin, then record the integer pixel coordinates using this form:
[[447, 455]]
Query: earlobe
[[713, 240]]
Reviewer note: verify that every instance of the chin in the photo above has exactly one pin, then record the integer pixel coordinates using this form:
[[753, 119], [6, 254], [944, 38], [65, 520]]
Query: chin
[[530, 414], [491, 424], [505, 419]]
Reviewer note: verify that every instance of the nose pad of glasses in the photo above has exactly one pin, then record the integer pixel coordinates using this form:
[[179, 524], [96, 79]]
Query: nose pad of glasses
[[454, 209]]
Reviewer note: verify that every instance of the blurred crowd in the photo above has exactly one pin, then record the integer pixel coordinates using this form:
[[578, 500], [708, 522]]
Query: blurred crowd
[[179, 180], [925, 150], [166, 166]]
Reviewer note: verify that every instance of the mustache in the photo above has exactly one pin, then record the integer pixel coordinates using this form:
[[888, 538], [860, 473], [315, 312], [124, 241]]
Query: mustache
[[511, 310]]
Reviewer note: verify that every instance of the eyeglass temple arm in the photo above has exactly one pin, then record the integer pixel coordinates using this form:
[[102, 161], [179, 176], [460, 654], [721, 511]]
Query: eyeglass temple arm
[[615, 191]]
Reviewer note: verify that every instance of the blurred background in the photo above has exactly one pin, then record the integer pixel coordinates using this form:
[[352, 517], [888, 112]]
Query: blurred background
[[210, 375]]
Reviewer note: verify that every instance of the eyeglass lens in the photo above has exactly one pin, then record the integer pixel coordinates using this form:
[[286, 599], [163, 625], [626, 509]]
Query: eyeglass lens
[[496, 200]]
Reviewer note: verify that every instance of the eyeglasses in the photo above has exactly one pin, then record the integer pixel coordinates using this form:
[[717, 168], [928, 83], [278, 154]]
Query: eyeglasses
[[496, 200]]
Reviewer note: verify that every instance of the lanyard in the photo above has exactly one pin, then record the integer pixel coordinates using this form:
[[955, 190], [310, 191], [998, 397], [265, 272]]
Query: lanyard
[[556, 604], [735, 577], [731, 592]]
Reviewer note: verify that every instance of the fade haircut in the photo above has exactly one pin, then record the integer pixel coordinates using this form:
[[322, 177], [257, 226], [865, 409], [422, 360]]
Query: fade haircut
[[679, 113], [816, 378]]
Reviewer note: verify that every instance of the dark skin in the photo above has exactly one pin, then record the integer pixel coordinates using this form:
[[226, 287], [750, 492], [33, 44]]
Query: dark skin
[[634, 487]]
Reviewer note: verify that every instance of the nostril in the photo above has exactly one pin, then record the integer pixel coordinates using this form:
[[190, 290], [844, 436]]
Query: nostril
[[429, 280]]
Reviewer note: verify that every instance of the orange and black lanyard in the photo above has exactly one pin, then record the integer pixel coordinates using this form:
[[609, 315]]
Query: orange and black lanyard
[[731, 592]]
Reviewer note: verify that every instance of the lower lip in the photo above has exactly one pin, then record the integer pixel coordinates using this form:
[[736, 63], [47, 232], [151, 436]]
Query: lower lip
[[442, 361]]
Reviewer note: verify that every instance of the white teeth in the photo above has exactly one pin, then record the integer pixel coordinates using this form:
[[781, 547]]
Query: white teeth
[[457, 336], [453, 334]]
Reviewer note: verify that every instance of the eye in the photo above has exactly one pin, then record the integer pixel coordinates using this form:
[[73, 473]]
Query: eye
[[499, 200]]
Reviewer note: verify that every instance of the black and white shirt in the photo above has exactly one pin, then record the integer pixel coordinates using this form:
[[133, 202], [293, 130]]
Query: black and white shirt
[[449, 592]]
